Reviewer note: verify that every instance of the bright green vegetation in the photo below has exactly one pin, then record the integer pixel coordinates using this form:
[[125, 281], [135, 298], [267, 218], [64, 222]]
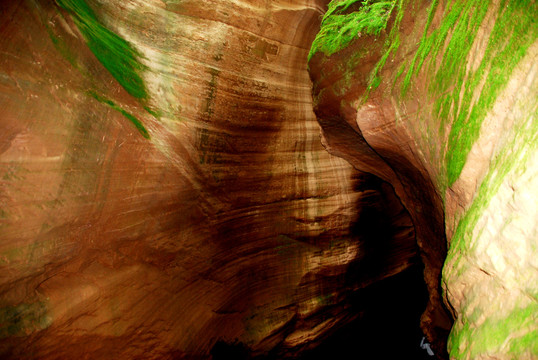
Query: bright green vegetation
[[391, 44], [339, 28], [527, 342], [511, 157], [425, 46], [129, 116], [463, 86], [20, 319], [492, 334], [116, 54], [464, 96], [489, 336], [154, 113]]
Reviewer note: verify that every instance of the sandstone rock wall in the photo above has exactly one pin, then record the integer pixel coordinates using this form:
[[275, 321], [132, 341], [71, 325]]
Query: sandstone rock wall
[[440, 101], [163, 185]]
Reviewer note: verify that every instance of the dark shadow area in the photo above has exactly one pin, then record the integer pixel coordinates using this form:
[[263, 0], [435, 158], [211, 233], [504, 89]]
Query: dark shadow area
[[386, 313], [388, 327], [224, 350]]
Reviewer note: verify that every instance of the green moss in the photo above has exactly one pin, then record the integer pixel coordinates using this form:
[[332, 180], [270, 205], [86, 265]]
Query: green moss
[[458, 340], [326, 299], [513, 33], [454, 85], [339, 28], [399, 73], [493, 333], [21, 319], [425, 47], [137, 123], [511, 159], [391, 44], [154, 113], [117, 55], [525, 343]]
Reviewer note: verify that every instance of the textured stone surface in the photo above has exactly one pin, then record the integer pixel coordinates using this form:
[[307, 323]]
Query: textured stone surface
[[442, 104], [163, 185]]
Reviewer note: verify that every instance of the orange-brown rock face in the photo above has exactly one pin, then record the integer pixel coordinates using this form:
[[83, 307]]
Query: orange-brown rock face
[[368, 139], [440, 101], [164, 186]]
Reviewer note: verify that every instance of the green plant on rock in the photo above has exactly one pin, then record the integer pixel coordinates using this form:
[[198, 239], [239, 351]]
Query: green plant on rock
[[339, 28], [137, 123], [463, 94], [116, 54]]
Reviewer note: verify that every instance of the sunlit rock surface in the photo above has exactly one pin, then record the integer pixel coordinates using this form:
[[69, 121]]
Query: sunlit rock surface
[[442, 103], [164, 187]]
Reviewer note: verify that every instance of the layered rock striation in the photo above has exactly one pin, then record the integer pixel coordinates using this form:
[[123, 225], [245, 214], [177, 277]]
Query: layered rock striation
[[163, 185], [164, 190], [438, 98]]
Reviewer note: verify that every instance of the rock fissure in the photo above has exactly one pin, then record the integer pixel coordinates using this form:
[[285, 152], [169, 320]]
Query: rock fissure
[[165, 194]]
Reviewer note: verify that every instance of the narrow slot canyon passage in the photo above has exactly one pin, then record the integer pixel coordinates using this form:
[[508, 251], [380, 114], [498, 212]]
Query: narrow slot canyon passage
[[268, 179], [382, 292], [388, 324]]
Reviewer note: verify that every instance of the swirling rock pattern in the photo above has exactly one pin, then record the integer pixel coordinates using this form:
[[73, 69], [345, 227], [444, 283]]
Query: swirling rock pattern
[[164, 186]]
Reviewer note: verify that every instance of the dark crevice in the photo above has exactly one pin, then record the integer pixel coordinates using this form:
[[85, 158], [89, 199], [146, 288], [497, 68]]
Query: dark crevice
[[386, 292], [389, 323]]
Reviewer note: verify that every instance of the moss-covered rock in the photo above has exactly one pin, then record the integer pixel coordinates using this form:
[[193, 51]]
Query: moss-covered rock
[[453, 93]]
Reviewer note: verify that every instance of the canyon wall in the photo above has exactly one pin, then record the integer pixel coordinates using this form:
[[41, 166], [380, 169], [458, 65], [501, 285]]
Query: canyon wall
[[438, 98], [164, 188]]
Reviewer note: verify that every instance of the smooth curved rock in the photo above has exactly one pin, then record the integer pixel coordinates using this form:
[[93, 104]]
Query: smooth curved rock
[[442, 104], [164, 186]]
